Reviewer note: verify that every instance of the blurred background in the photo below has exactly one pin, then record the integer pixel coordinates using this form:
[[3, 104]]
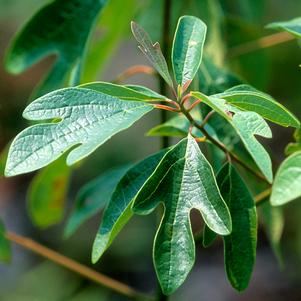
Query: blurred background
[[274, 70]]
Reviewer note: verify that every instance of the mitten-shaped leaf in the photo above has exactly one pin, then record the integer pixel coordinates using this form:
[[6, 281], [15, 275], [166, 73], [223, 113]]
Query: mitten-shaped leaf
[[240, 245], [249, 99], [151, 51], [82, 118], [187, 49], [183, 180], [286, 186], [247, 125], [292, 26], [118, 212], [93, 197], [62, 28]]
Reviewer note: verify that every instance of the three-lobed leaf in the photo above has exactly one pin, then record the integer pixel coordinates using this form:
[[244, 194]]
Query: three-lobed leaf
[[118, 211], [82, 119], [183, 180], [292, 26], [286, 186], [187, 49]]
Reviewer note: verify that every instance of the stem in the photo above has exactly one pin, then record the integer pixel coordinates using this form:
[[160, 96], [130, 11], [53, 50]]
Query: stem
[[261, 43], [262, 197], [129, 72], [76, 267]]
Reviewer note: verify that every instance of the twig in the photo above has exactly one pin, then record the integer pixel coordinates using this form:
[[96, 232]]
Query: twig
[[262, 197], [76, 267], [131, 71]]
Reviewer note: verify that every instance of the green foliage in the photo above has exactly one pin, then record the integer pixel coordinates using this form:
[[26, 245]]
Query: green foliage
[[5, 250], [292, 26], [61, 28], [294, 146], [182, 180], [286, 186]]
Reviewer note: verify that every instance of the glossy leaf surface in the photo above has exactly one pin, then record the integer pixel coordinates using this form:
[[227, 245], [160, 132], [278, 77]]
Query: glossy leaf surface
[[183, 180], [87, 119], [292, 26], [286, 186], [118, 211], [240, 245], [93, 197], [187, 48], [61, 28]]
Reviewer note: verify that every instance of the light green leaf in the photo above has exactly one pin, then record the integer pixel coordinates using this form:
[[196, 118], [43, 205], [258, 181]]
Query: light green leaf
[[292, 26], [93, 197], [249, 99], [5, 248], [61, 28], [146, 91], [240, 245], [183, 180], [187, 49], [247, 125], [87, 119], [123, 92], [294, 146], [151, 51], [286, 186], [47, 194], [118, 212]]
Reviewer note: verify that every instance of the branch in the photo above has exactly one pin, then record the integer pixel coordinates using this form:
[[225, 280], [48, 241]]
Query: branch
[[76, 267], [131, 71]]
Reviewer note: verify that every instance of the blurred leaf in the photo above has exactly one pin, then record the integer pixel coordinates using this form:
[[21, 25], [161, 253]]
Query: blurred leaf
[[183, 180], [61, 28], [187, 49], [3, 158], [286, 186], [47, 194], [151, 51], [247, 125], [118, 211], [5, 248], [240, 245], [247, 98], [292, 26], [91, 294], [93, 197], [109, 33], [273, 221], [296, 146], [87, 119]]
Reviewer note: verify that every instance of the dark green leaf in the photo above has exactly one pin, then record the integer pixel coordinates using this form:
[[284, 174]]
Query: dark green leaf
[[294, 146], [151, 51], [118, 212], [5, 249], [87, 119], [292, 26], [286, 186], [240, 245], [183, 180], [61, 28], [93, 197], [187, 49], [209, 237], [47, 194]]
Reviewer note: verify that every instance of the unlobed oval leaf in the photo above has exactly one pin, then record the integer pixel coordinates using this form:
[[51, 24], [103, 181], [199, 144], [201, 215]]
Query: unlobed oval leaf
[[183, 180], [286, 186], [187, 49], [87, 119], [292, 26]]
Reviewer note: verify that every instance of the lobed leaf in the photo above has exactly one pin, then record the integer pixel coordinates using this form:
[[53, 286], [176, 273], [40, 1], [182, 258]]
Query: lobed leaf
[[47, 194], [151, 51], [292, 26], [286, 186], [187, 49], [61, 28], [93, 197], [118, 211], [87, 119], [182, 180], [5, 248]]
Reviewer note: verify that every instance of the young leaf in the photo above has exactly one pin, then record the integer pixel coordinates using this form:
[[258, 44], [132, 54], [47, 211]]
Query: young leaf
[[187, 49], [286, 185], [292, 26], [118, 212], [5, 249], [93, 197], [240, 245], [249, 99], [61, 28], [47, 194], [247, 125], [183, 180], [151, 51], [87, 119]]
